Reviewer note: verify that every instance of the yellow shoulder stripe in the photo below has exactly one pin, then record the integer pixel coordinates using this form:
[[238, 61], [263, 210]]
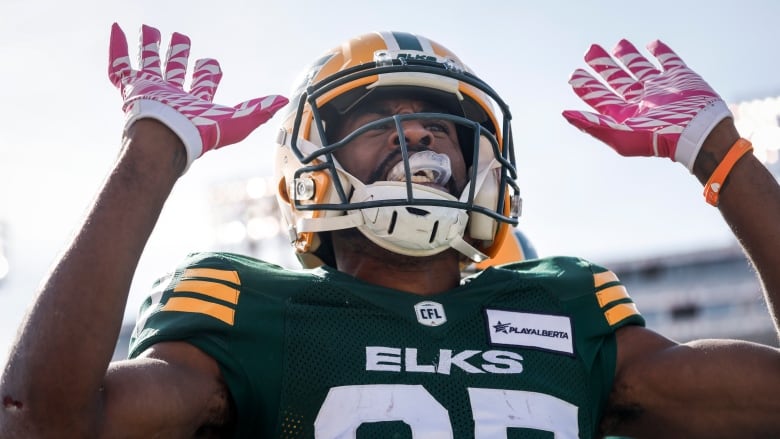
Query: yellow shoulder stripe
[[618, 313], [611, 294], [189, 304], [604, 277], [208, 288], [213, 273]]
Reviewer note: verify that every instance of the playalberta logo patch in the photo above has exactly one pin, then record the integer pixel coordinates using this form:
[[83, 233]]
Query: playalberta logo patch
[[541, 331]]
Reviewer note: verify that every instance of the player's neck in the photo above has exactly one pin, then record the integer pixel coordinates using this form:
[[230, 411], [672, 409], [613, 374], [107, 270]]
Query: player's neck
[[423, 276]]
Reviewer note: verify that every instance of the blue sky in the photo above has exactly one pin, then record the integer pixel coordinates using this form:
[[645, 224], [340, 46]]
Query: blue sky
[[61, 118]]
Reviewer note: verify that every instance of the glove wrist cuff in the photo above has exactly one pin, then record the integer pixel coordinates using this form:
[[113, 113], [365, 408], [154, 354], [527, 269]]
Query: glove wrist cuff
[[693, 136], [177, 122]]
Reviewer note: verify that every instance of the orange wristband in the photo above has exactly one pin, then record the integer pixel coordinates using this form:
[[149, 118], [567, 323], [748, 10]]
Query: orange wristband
[[718, 177]]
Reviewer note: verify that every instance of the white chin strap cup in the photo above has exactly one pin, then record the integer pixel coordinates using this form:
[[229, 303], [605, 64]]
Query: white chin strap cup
[[407, 230]]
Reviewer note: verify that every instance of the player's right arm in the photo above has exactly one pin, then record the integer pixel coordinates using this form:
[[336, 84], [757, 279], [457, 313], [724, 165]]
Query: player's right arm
[[58, 381], [171, 390]]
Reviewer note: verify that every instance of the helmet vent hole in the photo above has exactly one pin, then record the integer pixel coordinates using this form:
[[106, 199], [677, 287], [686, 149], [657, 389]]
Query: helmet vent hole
[[391, 227], [416, 211], [433, 232]]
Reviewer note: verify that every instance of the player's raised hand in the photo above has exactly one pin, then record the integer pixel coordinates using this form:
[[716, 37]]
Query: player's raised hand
[[644, 110], [151, 92]]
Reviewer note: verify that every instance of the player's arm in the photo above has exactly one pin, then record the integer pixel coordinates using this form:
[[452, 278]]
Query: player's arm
[[702, 389], [712, 388], [57, 382], [171, 390], [749, 201], [709, 388]]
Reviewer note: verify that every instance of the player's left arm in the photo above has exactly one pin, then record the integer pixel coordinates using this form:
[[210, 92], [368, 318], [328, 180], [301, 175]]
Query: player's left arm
[[706, 388], [711, 388], [701, 389]]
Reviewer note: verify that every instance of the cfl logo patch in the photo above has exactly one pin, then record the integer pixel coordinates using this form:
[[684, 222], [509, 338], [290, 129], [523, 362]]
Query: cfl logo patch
[[430, 313]]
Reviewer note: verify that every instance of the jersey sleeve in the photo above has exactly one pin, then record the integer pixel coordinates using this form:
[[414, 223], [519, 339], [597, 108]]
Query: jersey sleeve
[[198, 300], [612, 297], [231, 307], [602, 296], [199, 304]]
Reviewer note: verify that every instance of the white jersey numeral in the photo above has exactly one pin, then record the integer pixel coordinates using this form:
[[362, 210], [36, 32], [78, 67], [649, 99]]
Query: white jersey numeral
[[494, 411]]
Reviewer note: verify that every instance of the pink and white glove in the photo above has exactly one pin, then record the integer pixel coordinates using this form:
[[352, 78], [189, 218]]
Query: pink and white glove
[[201, 124], [644, 111]]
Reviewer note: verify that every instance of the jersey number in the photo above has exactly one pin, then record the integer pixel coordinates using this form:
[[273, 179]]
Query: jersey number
[[494, 410]]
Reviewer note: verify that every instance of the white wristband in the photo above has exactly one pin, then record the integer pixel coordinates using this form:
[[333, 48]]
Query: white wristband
[[693, 136], [177, 122]]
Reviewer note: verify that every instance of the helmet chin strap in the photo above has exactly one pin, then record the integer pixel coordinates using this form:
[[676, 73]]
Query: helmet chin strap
[[406, 230], [466, 249]]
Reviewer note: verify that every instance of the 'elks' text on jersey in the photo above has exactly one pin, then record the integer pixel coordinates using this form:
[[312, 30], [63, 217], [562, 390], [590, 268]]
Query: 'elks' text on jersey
[[387, 359]]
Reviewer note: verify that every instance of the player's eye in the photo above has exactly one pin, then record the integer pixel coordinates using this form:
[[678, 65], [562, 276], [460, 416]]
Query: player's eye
[[437, 126]]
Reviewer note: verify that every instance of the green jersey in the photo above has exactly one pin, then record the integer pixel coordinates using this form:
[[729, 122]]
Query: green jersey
[[522, 351]]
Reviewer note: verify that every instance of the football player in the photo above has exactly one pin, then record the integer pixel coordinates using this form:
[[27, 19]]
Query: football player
[[395, 170]]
